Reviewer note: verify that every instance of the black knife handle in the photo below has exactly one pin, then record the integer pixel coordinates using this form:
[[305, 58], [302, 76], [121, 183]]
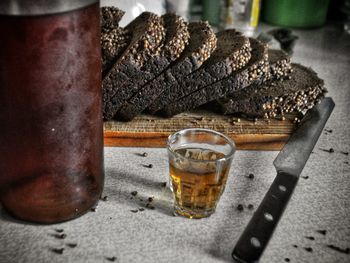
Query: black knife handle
[[257, 234]]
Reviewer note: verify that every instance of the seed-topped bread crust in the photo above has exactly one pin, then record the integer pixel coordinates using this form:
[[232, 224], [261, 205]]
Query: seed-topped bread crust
[[177, 36], [255, 71], [280, 65], [110, 17], [298, 94], [113, 43]]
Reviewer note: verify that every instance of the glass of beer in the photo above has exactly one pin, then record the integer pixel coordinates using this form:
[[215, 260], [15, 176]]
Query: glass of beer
[[200, 161]]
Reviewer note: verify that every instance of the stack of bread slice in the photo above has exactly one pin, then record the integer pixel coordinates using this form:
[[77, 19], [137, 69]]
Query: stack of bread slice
[[164, 65]]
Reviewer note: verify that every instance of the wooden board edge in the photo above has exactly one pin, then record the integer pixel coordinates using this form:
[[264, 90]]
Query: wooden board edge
[[267, 142]]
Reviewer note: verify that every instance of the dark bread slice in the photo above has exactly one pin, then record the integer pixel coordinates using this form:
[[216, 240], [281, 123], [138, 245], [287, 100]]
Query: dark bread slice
[[147, 32], [253, 72], [175, 39], [113, 43], [202, 43], [110, 17], [232, 53], [174, 42], [280, 68], [276, 97]]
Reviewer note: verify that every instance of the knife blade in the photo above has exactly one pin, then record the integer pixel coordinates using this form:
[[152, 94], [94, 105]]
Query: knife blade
[[289, 164]]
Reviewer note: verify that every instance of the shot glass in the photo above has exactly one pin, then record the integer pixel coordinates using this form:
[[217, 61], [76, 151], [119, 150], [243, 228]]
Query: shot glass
[[199, 163]]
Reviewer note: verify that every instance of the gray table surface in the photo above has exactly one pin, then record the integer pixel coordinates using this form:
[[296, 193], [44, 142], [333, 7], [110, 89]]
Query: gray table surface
[[320, 202]]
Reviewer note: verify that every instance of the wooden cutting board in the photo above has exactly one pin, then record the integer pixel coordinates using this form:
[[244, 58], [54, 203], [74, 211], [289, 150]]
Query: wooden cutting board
[[151, 131]]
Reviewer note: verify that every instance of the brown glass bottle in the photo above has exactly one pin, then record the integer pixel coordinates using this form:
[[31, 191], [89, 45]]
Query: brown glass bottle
[[51, 133]]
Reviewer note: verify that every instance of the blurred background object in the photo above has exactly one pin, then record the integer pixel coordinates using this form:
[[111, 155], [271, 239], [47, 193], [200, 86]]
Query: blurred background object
[[211, 12], [196, 10], [345, 9], [242, 15], [133, 8], [291, 13], [180, 7]]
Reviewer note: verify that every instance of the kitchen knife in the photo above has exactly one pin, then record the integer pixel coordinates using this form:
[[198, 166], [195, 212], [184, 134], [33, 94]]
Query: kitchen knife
[[289, 164]]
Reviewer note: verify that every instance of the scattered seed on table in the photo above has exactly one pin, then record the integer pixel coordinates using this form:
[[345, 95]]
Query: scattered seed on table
[[111, 258], [296, 246], [57, 250], [134, 211], [308, 249], [346, 162], [305, 177], [251, 176], [287, 260], [59, 230], [163, 184], [93, 209], [322, 232], [105, 198], [149, 206], [345, 153], [338, 249], [250, 206], [310, 237], [240, 207], [150, 199], [141, 199], [141, 209], [148, 165], [144, 154], [72, 245], [330, 150], [134, 193], [60, 236], [328, 130]]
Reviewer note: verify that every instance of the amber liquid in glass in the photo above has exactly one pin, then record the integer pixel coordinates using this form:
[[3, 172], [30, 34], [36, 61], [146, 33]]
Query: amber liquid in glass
[[51, 136], [197, 186]]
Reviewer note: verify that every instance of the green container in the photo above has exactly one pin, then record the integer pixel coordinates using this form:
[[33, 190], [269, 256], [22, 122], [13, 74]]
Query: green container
[[211, 12], [295, 13]]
